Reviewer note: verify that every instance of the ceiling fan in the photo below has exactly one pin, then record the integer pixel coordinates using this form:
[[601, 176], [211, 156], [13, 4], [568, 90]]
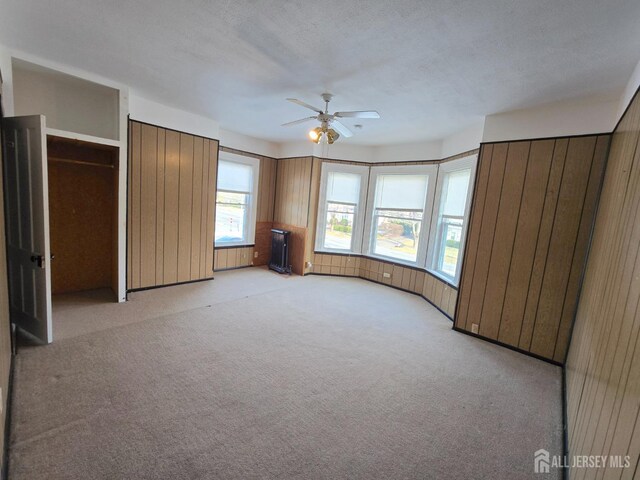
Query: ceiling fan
[[330, 127]]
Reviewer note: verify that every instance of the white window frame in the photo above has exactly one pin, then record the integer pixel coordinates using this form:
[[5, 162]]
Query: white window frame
[[423, 242], [445, 168], [359, 212], [252, 204]]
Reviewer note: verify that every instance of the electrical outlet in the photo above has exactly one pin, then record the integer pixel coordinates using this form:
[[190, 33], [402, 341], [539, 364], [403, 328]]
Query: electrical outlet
[[255, 254], [386, 275], [309, 264], [474, 328]]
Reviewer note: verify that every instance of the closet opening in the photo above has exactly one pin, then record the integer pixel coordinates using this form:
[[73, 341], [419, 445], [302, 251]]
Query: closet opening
[[83, 218]]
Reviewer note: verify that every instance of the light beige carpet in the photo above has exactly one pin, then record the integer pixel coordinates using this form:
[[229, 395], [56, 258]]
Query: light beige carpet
[[254, 375]]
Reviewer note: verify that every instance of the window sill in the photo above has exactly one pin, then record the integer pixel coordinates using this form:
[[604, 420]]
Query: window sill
[[452, 282], [329, 251], [395, 261], [222, 246]]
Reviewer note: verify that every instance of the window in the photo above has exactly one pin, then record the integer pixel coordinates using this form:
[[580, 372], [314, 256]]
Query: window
[[236, 200], [450, 216], [339, 217], [401, 199], [415, 214]]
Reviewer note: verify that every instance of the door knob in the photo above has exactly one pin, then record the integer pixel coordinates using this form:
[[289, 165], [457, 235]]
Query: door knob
[[38, 259]]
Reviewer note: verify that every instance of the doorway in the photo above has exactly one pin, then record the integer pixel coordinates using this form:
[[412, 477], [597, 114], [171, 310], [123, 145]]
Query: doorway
[[83, 218]]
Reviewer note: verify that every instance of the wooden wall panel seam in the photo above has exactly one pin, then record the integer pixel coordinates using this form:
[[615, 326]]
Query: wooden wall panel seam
[[581, 248], [485, 223], [575, 245], [479, 192], [495, 283], [557, 229], [524, 259], [548, 242], [515, 236], [555, 143]]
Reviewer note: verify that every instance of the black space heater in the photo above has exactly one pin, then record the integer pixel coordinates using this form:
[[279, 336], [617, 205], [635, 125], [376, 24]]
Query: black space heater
[[280, 251]]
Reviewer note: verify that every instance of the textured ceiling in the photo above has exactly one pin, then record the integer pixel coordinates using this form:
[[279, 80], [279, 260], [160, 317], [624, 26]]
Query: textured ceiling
[[429, 67]]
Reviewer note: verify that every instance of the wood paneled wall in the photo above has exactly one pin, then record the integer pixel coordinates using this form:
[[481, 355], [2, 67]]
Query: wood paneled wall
[[292, 191], [171, 212], [5, 329], [293, 187], [531, 218], [230, 258], [603, 365]]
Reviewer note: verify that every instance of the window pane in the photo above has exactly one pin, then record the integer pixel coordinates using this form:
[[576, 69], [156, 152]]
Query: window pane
[[454, 192], [235, 176], [231, 212], [450, 245], [397, 234], [343, 187], [339, 226], [401, 191]]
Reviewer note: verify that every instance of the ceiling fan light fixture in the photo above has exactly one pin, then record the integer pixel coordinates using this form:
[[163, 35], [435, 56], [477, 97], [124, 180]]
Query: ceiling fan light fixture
[[332, 136], [324, 134], [315, 134]]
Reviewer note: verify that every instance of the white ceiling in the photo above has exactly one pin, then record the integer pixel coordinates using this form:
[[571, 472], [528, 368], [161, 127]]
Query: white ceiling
[[429, 67]]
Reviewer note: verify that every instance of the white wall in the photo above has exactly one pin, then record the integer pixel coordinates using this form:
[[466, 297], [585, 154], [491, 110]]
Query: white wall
[[303, 148], [345, 151], [585, 115], [431, 150], [248, 144], [629, 91], [155, 113], [337, 151], [70, 103], [463, 141], [459, 142]]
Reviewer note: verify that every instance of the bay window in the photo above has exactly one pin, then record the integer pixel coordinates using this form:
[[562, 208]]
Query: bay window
[[398, 225], [415, 215], [450, 216], [340, 216], [236, 199]]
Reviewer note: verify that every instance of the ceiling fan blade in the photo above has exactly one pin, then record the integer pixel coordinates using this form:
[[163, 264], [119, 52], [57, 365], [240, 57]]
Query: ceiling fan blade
[[295, 122], [305, 105], [341, 129], [362, 114]]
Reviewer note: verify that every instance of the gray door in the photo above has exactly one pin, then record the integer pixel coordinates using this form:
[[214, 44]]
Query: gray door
[[27, 207]]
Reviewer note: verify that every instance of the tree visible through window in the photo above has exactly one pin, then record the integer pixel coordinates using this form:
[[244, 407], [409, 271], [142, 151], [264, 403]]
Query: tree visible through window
[[340, 221], [398, 215]]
